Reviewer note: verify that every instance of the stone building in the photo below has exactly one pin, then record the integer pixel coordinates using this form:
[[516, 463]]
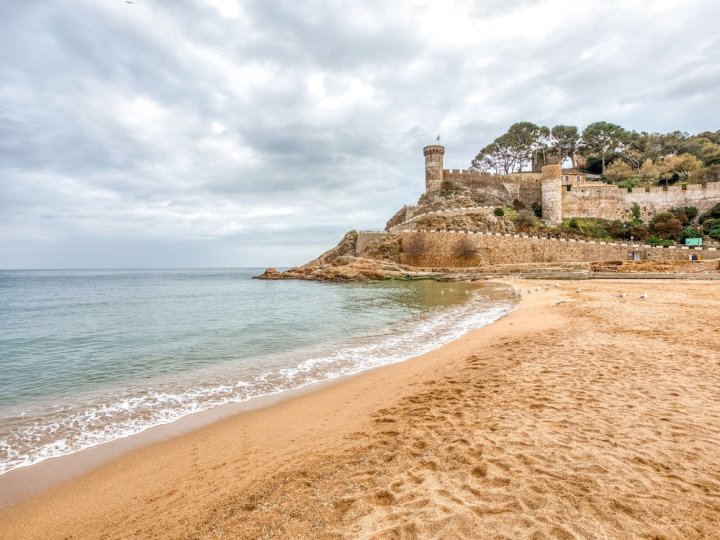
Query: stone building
[[568, 193]]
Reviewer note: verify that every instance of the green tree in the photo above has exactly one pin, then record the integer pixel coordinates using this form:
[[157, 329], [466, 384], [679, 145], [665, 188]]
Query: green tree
[[522, 139], [496, 156], [649, 172], [604, 139], [618, 170], [566, 141], [704, 149], [678, 167], [511, 150]]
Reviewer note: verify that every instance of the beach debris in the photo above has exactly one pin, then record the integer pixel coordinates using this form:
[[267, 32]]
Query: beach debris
[[559, 301], [621, 295], [557, 285], [644, 296], [577, 290]]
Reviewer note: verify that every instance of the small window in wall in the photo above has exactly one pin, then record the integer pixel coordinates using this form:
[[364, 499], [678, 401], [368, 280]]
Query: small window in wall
[[567, 178], [568, 187], [577, 178]]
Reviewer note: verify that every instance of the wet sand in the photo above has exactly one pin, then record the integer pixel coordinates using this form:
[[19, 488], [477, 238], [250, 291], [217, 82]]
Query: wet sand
[[593, 418]]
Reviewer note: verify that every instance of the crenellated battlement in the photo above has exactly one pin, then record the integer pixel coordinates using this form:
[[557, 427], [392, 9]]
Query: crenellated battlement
[[711, 187]]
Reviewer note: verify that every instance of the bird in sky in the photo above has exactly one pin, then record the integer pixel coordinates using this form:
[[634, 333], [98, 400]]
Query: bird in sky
[[129, 2], [438, 138]]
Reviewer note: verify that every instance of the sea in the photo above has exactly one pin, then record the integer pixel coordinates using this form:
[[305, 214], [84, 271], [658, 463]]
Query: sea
[[90, 356]]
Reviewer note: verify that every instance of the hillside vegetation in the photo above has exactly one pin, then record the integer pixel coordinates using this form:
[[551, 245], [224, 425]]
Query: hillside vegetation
[[625, 157]]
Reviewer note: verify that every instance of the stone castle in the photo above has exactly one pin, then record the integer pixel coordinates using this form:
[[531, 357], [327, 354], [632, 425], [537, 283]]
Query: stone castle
[[567, 193]]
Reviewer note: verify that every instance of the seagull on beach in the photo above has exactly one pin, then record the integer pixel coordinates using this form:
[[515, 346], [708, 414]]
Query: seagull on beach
[[644, 296], [557, 285], [621, 295], [577, 290], [559, 301]]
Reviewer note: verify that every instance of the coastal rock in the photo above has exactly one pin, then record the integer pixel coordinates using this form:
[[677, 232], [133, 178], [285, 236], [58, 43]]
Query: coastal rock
[[270, 273], [342, 264], [345, 268]]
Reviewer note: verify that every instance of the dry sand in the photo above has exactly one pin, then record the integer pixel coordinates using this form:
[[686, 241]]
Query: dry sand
[[595, 418]]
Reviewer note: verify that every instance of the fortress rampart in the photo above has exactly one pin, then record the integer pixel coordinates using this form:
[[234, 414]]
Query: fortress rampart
[[464, 250], [511, 188], [612, 202]]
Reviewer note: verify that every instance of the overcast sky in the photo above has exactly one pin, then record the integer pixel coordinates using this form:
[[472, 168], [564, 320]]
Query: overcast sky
[[192, 133]]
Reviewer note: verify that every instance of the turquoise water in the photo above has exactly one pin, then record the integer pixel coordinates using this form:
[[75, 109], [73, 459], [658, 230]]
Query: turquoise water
[[88, 356]]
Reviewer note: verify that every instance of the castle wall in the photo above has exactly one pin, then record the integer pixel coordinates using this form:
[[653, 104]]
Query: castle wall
[[526, 189], [611, 202], [463, 250]]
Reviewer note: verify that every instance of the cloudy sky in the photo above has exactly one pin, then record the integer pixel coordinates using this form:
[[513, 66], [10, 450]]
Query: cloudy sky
[[192, 133]]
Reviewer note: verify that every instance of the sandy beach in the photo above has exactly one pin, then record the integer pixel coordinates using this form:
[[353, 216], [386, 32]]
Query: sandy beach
[[594, 417]]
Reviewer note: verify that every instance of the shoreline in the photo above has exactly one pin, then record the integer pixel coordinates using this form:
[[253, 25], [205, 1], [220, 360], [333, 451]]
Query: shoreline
[[26, 482], [29, 481], [458, 438]]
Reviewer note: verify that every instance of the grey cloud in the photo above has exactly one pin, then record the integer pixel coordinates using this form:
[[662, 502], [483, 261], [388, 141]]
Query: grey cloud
[[165, 134]]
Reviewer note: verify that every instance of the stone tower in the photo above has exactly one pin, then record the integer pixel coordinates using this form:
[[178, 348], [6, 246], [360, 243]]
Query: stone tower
[[552, 192], [433, 167]]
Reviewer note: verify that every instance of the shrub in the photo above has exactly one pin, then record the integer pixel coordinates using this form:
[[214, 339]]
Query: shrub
[[499, 212], [713, 213], [690, 232], [627, 230], [666, 225], [592, 227], [712, 228], [639, 231], [618, 229], [636, 212], [655, 241], [628, 183], [464, 248], [686, 214], [415, 245], [525, 218]]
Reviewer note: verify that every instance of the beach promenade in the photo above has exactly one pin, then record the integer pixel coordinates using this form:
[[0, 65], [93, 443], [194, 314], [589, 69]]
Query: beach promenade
[[580, 415]]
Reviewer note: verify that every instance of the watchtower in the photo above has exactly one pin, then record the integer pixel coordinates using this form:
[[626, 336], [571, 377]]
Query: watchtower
[[433, 167], [552, 191]]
